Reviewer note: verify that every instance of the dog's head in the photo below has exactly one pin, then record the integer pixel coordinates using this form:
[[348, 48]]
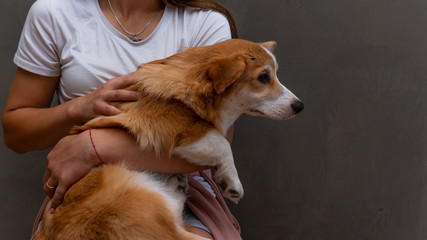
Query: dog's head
[[247, 77]]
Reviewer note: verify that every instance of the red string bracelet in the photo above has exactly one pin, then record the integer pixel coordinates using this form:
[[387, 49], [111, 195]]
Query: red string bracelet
[[94, 148]]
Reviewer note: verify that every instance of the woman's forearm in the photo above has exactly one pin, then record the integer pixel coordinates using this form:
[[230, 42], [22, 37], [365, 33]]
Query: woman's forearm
[[28, 129], [117, 145]]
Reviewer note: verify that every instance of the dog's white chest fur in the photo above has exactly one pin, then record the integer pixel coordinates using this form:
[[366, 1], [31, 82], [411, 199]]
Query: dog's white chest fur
[[214, 150]]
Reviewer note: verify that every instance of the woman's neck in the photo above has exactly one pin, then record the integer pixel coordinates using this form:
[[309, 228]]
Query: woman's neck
[[129, 8], [137, 18]]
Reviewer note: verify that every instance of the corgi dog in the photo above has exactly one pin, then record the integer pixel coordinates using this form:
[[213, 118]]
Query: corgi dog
[[188, 102]]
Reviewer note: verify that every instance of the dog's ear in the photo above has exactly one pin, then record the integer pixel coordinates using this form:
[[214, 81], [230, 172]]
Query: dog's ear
[[271, 45], [225, 71]]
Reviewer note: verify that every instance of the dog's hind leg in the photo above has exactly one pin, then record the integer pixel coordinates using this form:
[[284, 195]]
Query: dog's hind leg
[[100, 122], [214, 150]]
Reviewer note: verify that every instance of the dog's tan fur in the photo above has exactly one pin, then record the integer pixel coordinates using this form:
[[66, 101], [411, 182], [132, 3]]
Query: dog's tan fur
[[188, 101], [109, 204], [181, 96]]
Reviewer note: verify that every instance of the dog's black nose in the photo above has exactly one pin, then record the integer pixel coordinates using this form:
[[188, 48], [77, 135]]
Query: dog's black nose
[[297, 106]]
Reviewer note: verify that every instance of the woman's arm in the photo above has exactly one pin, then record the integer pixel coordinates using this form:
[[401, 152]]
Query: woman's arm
[[29, 123], [74, 156], [111, 143]]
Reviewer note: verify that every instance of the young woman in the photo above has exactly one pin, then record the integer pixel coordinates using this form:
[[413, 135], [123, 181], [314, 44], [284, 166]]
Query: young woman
[[86, 51]]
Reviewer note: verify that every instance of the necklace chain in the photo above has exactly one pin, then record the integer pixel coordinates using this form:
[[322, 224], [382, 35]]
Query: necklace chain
[[132, 36]]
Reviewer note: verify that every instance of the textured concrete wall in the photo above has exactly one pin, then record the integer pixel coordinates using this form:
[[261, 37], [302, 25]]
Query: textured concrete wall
[[351, 166]]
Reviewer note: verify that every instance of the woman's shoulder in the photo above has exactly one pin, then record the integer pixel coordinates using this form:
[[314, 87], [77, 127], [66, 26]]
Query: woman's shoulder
[[46, 6], [40, 8], [52, 8]]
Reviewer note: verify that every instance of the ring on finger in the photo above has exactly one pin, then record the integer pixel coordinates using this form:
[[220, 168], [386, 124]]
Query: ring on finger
[[48, 186]]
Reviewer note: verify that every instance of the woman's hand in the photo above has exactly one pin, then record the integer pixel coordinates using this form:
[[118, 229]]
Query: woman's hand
[[69, 161], [99, 101]]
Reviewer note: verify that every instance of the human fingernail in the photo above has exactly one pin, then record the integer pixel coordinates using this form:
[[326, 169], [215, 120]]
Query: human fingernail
[[52, 210]]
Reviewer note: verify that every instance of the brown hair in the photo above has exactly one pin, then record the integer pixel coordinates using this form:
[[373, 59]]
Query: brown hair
[[206, 4]]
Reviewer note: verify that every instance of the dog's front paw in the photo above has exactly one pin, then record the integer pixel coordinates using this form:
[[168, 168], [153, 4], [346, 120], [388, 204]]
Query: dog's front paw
[[180, 181], [231, 188]]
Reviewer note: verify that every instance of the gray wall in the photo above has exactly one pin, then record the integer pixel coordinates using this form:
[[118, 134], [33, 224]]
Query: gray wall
[[351, 166], [20, 175]]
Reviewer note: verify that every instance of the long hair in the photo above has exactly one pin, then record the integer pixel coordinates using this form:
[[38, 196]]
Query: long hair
[[206, 4]]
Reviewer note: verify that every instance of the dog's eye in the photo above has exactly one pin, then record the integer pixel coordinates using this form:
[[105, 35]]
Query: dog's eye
[[264, 78]]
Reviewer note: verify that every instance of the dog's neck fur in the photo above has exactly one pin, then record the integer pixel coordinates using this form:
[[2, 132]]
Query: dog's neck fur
[[227, 118], [195, 93]]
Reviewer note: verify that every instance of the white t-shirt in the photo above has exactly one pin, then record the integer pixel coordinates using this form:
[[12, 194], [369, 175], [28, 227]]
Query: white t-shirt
[[72, 39]]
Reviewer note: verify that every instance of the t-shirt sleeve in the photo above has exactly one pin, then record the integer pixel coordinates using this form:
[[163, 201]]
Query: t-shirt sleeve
[[210, 27], [37, 51]]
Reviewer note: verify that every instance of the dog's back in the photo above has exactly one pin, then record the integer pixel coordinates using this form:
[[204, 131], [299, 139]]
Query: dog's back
[[112, 202]]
